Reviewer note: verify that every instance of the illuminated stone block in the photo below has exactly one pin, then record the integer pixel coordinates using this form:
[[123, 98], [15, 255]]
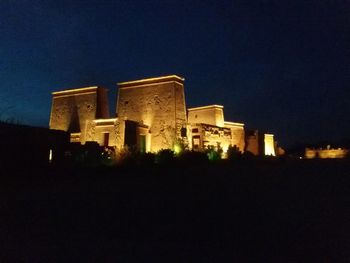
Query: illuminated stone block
[[252, 142], [158, 103], [75, 137], [259, 143], [269, 145], [212, 114], [332, 153], [310, 153], [237, 134], [71, 109], [106, 132], [213, 131], [204, 136]]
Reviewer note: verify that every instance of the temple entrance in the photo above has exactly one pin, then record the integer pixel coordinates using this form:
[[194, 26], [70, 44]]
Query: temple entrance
[[142, 143], [106, 139]]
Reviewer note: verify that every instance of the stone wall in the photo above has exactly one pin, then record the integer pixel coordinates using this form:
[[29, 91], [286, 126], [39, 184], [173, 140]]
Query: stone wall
[[212, 114], [259, 143], [269, 144], [216, 131], [180, 109], [72, 108], [96, 130], [206, 136], [252, 142], [158, 103], [237, 134]]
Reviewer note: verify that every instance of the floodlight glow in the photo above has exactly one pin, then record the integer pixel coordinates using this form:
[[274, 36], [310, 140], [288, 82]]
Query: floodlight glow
[[177, 149], [50, 156]]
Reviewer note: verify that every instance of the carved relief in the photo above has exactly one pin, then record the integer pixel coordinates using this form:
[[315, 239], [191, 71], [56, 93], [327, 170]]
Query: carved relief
[[70, 112], [117, 135], [163, 134], [90, 130], [88, 107], [153, 105], [159, 105]]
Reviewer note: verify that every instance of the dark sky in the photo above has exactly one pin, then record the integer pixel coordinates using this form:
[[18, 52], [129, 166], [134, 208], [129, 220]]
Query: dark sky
[[277, 65]]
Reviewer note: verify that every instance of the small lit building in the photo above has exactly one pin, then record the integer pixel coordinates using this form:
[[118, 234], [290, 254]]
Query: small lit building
[[327, 153]]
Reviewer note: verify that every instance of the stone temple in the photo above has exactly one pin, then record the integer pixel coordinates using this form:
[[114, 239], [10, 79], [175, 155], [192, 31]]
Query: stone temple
[[151, 115]]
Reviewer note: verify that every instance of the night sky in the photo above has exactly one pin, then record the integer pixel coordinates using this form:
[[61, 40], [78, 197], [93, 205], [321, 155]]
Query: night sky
[[281, 66]]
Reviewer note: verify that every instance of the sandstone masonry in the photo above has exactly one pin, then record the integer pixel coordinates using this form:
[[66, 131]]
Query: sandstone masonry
[[150, 115]]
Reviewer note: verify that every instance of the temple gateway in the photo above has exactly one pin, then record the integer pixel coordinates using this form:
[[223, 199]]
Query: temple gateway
[[151, 115]]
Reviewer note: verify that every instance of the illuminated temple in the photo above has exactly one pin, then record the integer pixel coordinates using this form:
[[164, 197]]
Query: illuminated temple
[[151, 115]]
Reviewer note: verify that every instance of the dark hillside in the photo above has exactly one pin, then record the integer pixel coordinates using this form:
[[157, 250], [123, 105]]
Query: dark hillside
[[295, 211]]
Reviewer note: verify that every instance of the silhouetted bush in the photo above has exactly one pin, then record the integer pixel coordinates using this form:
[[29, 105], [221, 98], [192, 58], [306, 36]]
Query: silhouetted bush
[[124, 156], [248, 157], [213, 154], [108, 156], [193, 157], [233, 153], [90, 154], [145, 159], [180, 147], [164, 157]]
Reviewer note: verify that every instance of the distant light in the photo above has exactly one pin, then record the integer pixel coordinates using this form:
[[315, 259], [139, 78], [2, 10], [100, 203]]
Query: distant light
[[50, 156], [269, 144]]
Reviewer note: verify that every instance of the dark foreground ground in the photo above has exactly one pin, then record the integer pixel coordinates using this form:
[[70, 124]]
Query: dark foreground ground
[[267, 212]]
